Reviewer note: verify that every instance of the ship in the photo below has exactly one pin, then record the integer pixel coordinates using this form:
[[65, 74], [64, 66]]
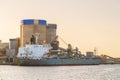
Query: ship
[[35, 54]]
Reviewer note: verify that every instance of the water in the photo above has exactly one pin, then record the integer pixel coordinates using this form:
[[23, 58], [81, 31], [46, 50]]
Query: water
[[93, 72]]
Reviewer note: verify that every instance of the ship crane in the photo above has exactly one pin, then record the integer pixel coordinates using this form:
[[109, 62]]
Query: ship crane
[[63, 41], [110, 59], [95, 51], [71, 52], [106, 56]]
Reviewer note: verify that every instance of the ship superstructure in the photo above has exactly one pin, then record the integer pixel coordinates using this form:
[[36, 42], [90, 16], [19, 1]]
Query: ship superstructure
[[52, 54], [44, 55]]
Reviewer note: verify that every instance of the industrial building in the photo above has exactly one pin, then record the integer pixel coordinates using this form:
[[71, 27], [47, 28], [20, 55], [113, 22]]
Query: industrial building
[[42, 31], [39, 28], [3, 48]]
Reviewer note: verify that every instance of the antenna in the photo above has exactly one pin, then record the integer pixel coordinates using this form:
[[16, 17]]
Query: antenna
[[95, 51]]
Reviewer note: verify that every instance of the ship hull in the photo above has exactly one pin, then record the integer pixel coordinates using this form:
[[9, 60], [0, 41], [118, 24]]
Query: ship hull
[[58, 62]]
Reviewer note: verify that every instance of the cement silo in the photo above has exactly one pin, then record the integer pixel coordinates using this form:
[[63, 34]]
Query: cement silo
[[13, 49], [40, 31], [31, 27], [14, 44], [26, 30], [51, 32]]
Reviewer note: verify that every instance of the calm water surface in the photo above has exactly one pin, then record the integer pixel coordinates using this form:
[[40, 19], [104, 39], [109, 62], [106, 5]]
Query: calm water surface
[[93, 72]]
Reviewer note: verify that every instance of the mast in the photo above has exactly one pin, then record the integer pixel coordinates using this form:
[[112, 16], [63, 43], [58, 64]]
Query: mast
[[95, 51]]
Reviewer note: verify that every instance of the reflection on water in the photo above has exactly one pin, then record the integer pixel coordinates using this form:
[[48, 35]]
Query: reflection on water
[[93, 72]]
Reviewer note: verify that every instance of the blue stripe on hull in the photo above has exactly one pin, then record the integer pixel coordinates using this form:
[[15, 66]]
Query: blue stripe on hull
[[68, 61]]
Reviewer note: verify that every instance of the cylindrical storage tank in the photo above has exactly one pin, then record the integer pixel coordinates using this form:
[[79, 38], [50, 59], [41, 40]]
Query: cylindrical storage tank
[[26, 31], [51, 32], [42, 22], [89, 54], [27, 21], [40, 32], [52, 26], [14, 44]]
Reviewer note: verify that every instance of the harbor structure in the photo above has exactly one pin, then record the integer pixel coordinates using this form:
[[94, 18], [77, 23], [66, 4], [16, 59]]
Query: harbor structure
[[49, 53], [39, 46]]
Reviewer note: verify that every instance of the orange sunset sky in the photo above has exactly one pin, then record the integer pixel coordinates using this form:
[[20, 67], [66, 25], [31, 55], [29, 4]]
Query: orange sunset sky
[[83, 23]]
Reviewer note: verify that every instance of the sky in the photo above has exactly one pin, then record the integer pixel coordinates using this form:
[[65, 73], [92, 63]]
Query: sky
[[86, 24]]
